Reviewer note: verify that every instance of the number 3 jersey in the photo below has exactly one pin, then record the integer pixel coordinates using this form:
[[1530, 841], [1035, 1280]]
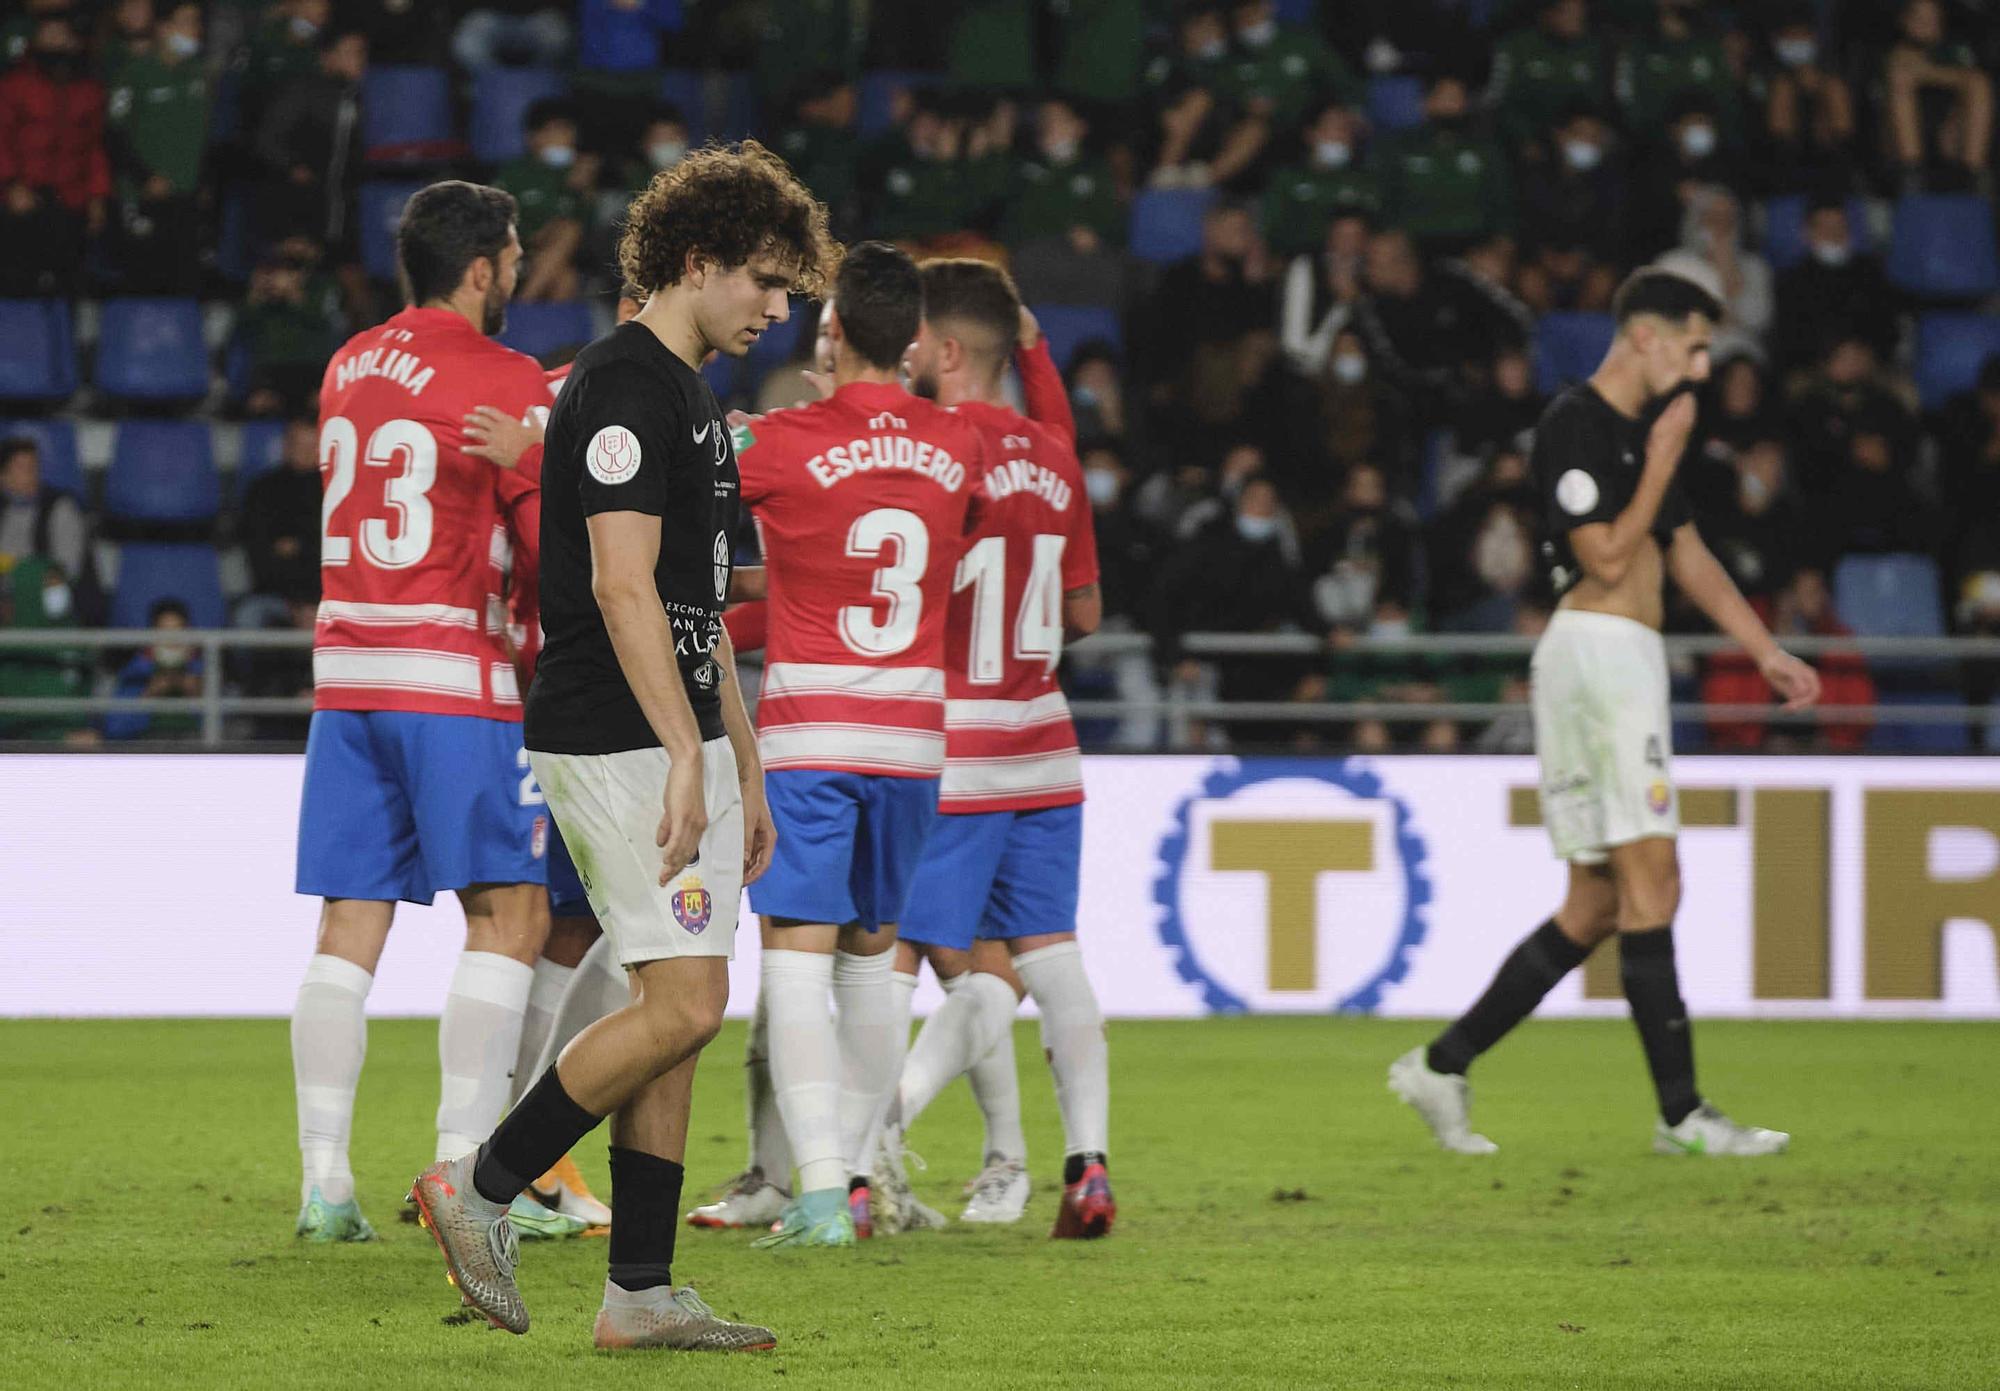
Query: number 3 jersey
[[415, 545], [862, 505], [1010, 743]]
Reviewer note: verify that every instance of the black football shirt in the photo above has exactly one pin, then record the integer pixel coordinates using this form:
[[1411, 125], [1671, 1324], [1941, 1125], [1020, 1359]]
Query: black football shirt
[[634, 429], [1586, 462]]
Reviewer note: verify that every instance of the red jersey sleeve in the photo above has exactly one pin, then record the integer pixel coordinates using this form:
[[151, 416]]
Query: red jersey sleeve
[[1079, 562], [749, 625], [1042, 390]]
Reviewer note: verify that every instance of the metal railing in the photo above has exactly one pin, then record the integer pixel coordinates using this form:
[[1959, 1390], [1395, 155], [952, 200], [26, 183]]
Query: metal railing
[[216, 703]]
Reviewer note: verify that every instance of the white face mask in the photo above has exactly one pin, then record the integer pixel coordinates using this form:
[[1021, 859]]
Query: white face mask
[[1260, 33], [1752, 491], [1501, 555], [1061, 151], [666, 154], [1582, 154], [303, 28], [559, 156], [1796, 53], [56, 601], [1256, 528], [1212, 50], [1831, 255], [1332, 154], [183, 46], [1101, 484], [1350, 368], [1698, 142], [171, 655]]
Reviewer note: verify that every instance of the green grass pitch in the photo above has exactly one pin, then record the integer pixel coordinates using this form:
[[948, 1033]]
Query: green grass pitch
[[1284, 1222]]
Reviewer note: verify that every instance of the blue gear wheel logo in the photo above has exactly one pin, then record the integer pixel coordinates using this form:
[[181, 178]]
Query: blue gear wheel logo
[[1225, 781]]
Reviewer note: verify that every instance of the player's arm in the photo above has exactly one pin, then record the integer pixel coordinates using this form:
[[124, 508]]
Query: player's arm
[[746, 584], [1042, 391], [760, 833], [1605, 549], [1703, 579], [1082, 611], [503, 439]]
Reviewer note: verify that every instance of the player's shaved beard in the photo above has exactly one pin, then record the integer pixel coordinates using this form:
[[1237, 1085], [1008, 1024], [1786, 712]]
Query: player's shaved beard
[[924, 385], [493, 314]]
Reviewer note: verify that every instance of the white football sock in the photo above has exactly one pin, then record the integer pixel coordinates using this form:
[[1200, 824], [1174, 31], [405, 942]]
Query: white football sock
[[805, 1063], [599, 986], [770, 1150], [1073, 1036], [544, 999], [977, 1012], [874, 1034], [479, 1035], [329, 1040], [997, 1088]]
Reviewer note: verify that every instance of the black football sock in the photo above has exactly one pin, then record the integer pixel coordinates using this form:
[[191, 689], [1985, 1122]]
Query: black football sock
[[646, 1195], [536, 1133], [1075, 1164], [1653, 989], [1530, 971]]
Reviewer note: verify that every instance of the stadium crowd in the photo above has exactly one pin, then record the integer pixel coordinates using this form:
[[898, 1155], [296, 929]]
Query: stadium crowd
[[1311, 272]]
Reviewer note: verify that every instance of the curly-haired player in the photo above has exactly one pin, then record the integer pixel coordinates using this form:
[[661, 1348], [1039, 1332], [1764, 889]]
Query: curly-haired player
[[635, 706]]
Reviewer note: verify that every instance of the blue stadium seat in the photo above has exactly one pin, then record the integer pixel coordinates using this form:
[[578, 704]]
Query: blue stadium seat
[[381, 207], [1395, 102], [1069, 326], [1298, 12], [1166, 223], [1888, 595], [877, 97], [56, 439], [536, 329], [500, 98], [37, 350], [1942, 246], [152, 350], [163, 471], [406, 115], [1785, 228], [150, 572], [1951, 348], [1569, 346], [1891, 736], [261, 448]]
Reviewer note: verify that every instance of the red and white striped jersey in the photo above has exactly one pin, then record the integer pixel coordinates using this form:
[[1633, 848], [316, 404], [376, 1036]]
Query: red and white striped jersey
[[415, 540], [1010, 745], [861, 503]]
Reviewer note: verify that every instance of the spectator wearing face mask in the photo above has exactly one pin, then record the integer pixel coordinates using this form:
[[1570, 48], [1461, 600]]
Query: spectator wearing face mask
[[1278, 70], [1097, 392], [1543, 73], [1205, 134], [169, 669], [282, 50], [1063, 221], [1362, 420], [34, 593], [1482, 550], [1808, 107], [1332, 180], [1445, 182], [54, 171], [1836, 290], [552, 183], [1712, 254], [1365, 558], [1677, 60], [1127, 548], [1211, 300], [37, 520], [1692, 161], [1573, 218], [1497, 419], [1319, 294], [158, 133], [310, 145], [818, 140]]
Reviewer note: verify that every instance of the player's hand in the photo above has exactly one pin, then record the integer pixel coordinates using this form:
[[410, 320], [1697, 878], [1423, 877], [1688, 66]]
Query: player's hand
[[1669, 436], [1031, 328], [679, 836], [497, 436], [822, 382], [760, 833], [1792, 679]]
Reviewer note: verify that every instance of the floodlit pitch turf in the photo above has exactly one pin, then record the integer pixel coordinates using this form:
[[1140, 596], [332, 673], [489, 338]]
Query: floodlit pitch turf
[[1284, 1222]]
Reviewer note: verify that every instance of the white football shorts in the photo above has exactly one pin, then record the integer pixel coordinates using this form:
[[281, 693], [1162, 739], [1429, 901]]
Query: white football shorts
[[1603, 734], [608, 806]]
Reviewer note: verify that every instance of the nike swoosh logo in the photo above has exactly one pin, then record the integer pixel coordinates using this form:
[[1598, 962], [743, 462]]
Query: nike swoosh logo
[[702, 433]]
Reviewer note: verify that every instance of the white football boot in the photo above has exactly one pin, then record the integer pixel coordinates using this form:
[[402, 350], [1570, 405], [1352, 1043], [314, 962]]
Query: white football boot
[[1442, 1099], [1000, 1193], [751, 1200], [1706, 1130]]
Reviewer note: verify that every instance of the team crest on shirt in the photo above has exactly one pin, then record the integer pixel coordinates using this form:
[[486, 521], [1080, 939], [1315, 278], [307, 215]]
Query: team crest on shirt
[[1658, 798], [612, 455], [692, 906]]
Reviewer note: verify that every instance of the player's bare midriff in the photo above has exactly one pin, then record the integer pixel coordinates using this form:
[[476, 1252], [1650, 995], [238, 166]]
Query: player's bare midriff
[[1637, 596]]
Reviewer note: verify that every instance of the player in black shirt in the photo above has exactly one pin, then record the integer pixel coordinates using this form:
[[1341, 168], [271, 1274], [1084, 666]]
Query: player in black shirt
[[635, 706], [1604, 458]]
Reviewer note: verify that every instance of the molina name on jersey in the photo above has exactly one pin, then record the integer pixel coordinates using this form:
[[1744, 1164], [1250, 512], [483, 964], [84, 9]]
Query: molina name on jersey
[[415, 546], [1009, 741], [862, 504]]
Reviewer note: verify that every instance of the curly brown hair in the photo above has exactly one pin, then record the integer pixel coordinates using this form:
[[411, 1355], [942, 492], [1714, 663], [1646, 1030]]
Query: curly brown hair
[[728, 202]]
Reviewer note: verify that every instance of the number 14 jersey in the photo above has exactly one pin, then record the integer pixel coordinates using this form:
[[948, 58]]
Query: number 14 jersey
[[415, 537], [862, 505]]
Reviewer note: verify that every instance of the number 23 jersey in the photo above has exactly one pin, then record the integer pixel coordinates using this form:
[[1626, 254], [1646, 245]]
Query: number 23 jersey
[[862, 505], [415, 532]]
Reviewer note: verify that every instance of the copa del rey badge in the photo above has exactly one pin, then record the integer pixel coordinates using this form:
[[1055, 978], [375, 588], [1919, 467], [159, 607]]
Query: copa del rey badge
[[612, 455], [692, 906]]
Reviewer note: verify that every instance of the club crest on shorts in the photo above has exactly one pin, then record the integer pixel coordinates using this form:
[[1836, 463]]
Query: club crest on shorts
[[612, 455], [692, 907], [1658, 797], [538, 839]]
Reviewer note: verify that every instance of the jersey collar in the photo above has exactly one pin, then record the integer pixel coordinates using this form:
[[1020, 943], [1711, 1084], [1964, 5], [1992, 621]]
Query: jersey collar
[[432, 321], [869, 395]]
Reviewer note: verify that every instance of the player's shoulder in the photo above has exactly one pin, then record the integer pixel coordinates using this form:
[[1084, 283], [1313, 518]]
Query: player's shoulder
[[1576, 414]]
